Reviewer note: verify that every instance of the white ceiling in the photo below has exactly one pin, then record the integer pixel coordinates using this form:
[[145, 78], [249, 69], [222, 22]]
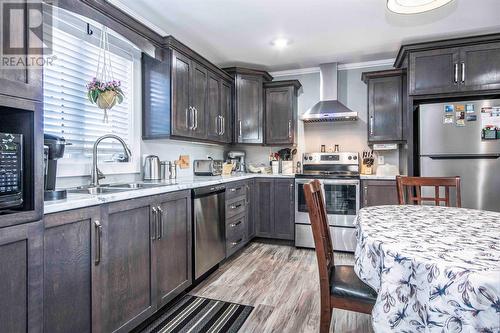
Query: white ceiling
[[239, 32]]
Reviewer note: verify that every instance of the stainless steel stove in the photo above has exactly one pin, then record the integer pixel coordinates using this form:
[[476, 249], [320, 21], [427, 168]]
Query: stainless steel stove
[[339, 177]]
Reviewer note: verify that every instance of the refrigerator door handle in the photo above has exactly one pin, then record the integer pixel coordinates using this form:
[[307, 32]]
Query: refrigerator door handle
[[462, 156]]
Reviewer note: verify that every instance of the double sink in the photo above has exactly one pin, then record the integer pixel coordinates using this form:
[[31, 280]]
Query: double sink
[[116, 188]]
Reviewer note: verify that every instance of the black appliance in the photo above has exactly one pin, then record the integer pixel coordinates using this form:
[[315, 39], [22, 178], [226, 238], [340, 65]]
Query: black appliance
[[53, 150], [11, 170]]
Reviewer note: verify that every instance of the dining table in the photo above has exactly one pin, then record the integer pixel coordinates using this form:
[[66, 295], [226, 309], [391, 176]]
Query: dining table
[[435, 269]]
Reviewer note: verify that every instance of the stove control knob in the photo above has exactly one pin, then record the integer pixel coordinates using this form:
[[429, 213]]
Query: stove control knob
[[310, 158], [305, 158], [349, 158], [355, 157]]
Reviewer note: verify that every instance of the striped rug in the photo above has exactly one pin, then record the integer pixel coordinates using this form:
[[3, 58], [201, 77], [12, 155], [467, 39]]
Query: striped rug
[[193, 314]]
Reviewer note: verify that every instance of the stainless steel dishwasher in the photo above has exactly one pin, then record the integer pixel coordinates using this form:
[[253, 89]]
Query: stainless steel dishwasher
[[209, 228]]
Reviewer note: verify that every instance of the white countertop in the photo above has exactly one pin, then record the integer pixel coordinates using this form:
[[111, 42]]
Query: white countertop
[[377, 177], [74, 201]]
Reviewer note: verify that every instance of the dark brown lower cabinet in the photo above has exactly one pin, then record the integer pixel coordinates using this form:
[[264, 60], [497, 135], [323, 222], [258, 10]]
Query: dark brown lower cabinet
[[274, 208], [110, 267], [172, 251], [21, 290], [68, 269], [379, 192]]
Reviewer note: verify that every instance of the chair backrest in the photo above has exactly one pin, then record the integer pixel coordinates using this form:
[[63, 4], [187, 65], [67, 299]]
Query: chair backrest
[[321, 232], [410, 190]]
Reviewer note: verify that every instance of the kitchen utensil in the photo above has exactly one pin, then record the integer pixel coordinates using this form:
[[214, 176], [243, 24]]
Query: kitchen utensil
[[151, 168], [172, 170]]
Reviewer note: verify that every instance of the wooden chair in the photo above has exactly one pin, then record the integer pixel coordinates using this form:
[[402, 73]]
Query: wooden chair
[[339, 286], [407, 186]]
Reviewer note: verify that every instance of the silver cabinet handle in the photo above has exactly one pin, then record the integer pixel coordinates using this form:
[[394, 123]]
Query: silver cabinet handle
[[98, 248], [240, 128], [223, 125], [160, 223], [232, 225], [187, 118], [291, 192], [463, 72], [221, 118], [191, 118], [365, 194], [289, 129], [455, 78], [195, 118], [235, 206], [247, 194], [236, 242], [217, 124], [371, 125], [154, 223]]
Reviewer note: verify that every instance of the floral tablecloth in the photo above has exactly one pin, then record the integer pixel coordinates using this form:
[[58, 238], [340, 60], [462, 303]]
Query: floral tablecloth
[[436, 269]]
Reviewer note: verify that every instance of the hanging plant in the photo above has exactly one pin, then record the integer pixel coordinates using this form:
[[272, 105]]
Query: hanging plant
[[104, 90]]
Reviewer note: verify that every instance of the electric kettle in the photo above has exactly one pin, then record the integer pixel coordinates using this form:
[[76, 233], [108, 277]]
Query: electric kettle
[[152, 167]]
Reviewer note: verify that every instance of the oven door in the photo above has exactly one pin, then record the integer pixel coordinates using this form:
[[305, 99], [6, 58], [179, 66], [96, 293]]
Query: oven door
[[341, 201], [301, 211]]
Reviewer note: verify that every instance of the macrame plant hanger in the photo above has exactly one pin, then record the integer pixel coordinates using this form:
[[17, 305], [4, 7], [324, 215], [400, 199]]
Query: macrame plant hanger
[[104, 72]]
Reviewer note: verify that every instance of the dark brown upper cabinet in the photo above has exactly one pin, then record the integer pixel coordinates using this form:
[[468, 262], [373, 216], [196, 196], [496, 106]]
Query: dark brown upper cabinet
[[281, 112], [22, 45], [434, 72], [185, 97], [182, 112], [218, 120], [480, 67], [198, 96], [249, 104], [461, 66], [385, 105]]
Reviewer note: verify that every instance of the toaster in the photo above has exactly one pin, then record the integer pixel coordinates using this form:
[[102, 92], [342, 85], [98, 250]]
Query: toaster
[[207, 167]]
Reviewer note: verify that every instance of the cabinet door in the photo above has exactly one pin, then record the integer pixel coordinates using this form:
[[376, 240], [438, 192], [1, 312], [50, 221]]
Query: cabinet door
[[214, 111], [279, 115], [385, 109], [251, 209], [199, 96], [434, 72], [155, 97], [284, 209], [226, 111], [125, 271], [182, 114], [264, 208], [22, 43], [21, 307], [172, 249], [379, 192], [68, 266], [480, 67], [249, 116]]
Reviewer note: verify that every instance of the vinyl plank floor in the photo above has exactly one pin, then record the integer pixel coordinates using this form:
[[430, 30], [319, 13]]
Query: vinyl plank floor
[[282, 283]]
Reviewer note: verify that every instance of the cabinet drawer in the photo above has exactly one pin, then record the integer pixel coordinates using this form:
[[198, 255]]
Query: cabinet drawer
[[236, 227], [236, 207], [235, 190]]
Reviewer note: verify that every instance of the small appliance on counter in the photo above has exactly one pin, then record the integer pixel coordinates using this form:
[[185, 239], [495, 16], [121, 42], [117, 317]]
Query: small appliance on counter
[[208, 167], [11, 170], [53, 150], [237, 158], [152, 168]]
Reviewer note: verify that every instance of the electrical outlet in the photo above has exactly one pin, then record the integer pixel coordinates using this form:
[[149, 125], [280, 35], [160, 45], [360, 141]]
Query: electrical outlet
[[380, 160]]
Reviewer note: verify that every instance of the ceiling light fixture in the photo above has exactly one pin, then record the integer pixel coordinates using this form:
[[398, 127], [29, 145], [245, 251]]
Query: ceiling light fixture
[[280, 43], [414, 6]]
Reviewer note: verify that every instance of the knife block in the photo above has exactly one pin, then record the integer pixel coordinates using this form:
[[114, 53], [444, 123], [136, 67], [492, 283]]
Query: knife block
[[366, 170]]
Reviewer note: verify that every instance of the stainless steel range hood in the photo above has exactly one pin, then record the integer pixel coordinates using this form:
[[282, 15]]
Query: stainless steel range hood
[[328, 108]]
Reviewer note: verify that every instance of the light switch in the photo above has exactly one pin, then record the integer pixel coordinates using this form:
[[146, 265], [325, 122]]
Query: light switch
[[380, 160]]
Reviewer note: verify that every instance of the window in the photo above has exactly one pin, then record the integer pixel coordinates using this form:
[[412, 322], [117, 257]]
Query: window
[[67, 111]]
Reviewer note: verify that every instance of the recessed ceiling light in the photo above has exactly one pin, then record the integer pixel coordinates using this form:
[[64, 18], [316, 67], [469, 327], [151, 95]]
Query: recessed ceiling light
[[414, 6], [280, 43]]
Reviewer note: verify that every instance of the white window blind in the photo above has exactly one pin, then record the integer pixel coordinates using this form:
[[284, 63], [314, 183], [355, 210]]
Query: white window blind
[[67, 111]]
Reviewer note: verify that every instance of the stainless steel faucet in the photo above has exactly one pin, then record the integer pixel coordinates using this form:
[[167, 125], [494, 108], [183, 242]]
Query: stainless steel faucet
[[96, 173]]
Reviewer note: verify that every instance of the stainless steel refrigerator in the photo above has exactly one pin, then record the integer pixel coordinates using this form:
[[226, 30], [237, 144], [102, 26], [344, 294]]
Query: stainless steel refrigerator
[[451, 144]]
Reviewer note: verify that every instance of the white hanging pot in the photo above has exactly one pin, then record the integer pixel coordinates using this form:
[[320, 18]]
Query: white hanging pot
[[106, 100]]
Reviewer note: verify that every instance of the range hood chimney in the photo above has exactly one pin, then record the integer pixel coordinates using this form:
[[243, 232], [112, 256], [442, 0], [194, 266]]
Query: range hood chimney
[[328, 108]]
